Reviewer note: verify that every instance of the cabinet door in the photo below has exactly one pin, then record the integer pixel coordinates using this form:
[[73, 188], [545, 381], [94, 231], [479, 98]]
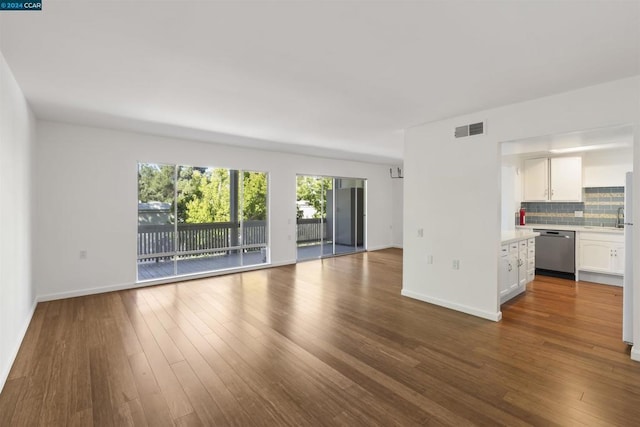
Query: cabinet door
[[617, 260], [595, 255], [522, 268], [508, 274], [566, 179], [505, 269], [536, 178]]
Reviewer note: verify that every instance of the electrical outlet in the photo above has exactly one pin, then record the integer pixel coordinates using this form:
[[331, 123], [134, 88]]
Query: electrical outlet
[[420, 232], [456, 264], [83, 254], [578, 214], [429, 259]]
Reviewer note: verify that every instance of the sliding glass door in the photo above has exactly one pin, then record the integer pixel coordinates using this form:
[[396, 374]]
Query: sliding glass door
[[205, 219], [348, 199], [330, 216]]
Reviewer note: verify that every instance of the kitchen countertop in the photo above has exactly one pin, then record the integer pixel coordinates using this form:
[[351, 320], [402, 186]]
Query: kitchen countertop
[[589, 228], [514, 236]]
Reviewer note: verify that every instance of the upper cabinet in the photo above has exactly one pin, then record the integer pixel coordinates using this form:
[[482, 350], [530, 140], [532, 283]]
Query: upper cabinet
[[536, 180], [556, 179]]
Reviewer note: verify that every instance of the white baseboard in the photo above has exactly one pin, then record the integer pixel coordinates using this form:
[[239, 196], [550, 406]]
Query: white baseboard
[[379, 248], [4, 374], [454, 306], [134, 285], [635, 353], [603, 279]]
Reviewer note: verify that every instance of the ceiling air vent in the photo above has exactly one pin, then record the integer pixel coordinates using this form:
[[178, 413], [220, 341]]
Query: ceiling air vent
[[470, 130]]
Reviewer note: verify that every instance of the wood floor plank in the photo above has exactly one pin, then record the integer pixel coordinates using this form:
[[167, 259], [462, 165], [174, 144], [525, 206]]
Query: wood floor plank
[[170, 387], [327, 342]]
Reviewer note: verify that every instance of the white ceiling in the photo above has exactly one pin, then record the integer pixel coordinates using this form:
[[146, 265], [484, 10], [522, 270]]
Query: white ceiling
[[598, 139], [309, 76]]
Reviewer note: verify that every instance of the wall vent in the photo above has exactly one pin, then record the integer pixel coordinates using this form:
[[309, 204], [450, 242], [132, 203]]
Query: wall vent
[[469, 130]]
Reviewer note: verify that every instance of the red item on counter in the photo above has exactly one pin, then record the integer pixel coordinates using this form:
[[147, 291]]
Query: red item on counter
[[522, 217]]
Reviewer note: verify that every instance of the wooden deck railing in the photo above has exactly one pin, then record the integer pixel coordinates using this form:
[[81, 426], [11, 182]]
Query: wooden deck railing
[[214, 237], [311, 230]]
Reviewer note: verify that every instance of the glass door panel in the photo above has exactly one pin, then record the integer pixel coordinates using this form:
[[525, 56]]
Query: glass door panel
[[349, 215], [310, 217], [205, 230], [327, 215], [330, 216], [254, 218], [361, 214], [156, 221]]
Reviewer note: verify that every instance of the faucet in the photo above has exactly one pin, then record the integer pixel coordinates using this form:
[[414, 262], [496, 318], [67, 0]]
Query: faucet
[[620, 217]]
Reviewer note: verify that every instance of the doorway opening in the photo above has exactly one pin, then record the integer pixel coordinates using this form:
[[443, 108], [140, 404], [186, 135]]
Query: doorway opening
[[330, 216]]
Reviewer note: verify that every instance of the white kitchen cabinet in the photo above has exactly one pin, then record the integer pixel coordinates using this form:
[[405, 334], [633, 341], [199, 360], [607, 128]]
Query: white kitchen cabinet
[[566, 179], [601, 253], [617, 264], [517, 268], [508, 275], [536, 180], [557, 179]]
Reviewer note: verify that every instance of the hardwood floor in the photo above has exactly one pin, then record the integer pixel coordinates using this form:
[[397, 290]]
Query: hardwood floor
[[327, 342]]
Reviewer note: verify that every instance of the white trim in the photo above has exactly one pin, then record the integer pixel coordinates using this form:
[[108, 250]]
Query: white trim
[[497, 316], [379, 248], [397, 246], [635, 353], [602, 278], [173, 279], [13, 354]]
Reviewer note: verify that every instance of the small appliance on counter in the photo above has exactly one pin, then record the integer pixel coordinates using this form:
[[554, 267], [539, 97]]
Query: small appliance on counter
[[523, 219]]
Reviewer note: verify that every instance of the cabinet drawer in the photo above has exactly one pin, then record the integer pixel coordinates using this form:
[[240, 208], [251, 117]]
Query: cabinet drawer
[[504, 250], [531, 252], [531, 242], [514, 247], [603, 237], [531, 263], [522, 244], [530, 276]]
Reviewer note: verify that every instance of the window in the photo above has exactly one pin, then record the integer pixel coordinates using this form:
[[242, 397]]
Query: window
[[199, 219]]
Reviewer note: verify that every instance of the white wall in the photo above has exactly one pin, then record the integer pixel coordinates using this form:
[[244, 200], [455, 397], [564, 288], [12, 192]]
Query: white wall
[[87, 200], [606, 168], [397, 203], [17, 297], [459, 183], [511, 193]]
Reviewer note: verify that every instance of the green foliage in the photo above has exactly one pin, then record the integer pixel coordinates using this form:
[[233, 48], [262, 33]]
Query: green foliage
[[155, 183], [203, 194], [314, 190], [213, 203], [254, 196]]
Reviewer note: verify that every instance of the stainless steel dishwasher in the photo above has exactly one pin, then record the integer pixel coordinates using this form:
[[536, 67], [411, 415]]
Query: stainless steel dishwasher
[[556, 253]]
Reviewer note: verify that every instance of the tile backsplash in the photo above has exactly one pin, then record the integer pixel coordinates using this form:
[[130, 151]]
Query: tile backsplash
[[600, 206]]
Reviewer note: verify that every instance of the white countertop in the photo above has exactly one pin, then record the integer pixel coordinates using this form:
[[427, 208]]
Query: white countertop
[[591, 229], [514, 236]]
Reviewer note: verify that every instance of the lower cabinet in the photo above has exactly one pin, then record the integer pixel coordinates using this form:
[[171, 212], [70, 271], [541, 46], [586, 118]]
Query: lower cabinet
[[601, 253], [517, 268], [508, 275]]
